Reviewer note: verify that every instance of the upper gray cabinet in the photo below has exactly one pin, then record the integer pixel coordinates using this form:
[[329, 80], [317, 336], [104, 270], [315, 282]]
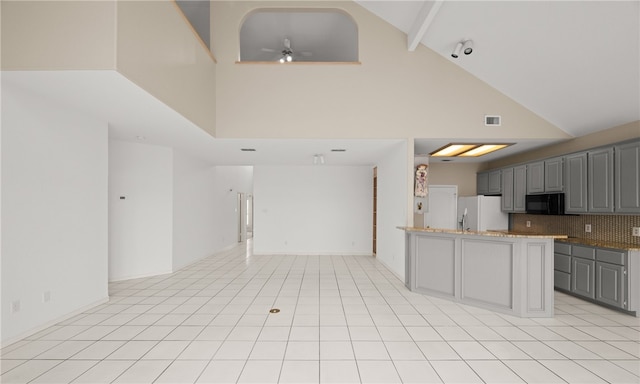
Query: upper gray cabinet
[[553, 175], [576, 183], [482, 183], [520, 185], [545, 176], [627, 178], [495, 183], [535, 177], [514, 189], [600, 180], [507, 190]]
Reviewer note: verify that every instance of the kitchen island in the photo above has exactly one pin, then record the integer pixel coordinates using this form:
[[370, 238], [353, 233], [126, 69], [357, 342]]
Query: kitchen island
[[501, 271]]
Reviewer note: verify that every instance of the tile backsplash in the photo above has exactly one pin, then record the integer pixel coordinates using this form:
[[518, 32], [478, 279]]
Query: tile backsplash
[[609, 228]]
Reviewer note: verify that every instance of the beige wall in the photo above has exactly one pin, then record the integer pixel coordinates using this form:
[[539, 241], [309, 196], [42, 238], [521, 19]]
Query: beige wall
[[163, 55], [149, 42], [58, 35], [461, 174], [393, 93], [597, 139]]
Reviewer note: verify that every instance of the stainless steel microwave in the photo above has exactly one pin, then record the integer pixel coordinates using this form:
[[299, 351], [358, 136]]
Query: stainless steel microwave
[[545, 204]]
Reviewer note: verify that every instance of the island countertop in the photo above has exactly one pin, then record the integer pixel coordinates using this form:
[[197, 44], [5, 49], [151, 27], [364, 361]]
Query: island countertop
[[495, 233]]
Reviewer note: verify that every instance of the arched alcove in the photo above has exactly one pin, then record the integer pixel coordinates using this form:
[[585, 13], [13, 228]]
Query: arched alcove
[[310, 35]]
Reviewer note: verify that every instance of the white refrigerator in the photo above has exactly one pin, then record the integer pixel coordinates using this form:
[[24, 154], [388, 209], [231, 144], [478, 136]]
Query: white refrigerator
[[483, 213]]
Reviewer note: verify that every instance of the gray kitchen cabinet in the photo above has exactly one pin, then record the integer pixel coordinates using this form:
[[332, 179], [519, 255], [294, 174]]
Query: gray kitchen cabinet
[[514, 189], [562, 266], [605, 276], [575, 183], [627, 178], [482, 183], [520, 184], [535, 177], [583, 277], [507, 190], [610, 284], [611, 277], [495, 183], [553, 175], [600, 181]]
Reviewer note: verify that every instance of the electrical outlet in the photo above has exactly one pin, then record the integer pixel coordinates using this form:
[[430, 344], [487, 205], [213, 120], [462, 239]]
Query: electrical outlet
[[15, 306], [635, 231], [528, 224], [587, 228], [46, 296]]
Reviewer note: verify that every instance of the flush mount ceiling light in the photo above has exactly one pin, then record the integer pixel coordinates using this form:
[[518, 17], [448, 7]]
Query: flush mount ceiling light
[[248, 149], [318, 159], [464, 46], [468, 149]]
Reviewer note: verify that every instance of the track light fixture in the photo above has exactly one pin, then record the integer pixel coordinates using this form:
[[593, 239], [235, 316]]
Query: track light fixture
[[465, 46], [456, 51]]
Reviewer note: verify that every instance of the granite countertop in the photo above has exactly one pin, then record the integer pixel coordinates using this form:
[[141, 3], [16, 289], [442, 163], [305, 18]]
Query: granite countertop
[[601, 244], [495, 233]]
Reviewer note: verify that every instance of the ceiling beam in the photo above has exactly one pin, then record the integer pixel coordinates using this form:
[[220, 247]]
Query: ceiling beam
[[421, 24]]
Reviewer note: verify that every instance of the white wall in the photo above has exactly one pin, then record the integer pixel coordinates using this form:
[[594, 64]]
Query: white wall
[[54, 211], [313, 209], [393, 197], [230, 180], [140, 226], [177, 209], [193, 210], [205, 219]]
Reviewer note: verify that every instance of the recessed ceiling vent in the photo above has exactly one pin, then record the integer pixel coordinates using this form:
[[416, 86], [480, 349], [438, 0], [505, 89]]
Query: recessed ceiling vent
[[492, 120]]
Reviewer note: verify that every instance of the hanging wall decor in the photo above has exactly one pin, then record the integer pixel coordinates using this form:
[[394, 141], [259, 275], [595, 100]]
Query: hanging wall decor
[[421, 180]]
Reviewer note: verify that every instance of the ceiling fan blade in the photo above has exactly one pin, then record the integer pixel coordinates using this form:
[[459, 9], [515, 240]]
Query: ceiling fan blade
[[268, 50], [306, 54], [287, 43]]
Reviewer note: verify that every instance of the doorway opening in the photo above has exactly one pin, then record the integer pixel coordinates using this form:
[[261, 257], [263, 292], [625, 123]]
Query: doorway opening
[[249, 217]]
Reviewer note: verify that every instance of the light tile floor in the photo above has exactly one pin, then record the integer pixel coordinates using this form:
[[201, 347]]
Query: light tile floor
[[342, 319]]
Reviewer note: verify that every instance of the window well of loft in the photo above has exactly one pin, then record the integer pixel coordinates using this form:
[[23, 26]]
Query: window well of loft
[[298, 36]]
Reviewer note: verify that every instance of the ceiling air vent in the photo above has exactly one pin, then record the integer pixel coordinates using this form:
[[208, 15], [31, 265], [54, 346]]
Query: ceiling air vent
[[492, 120]]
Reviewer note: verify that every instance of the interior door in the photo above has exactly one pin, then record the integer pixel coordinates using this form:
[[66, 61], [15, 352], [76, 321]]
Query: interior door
[[443, 207]]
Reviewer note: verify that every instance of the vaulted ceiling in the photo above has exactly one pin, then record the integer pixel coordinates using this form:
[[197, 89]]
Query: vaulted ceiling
[[574, 63]]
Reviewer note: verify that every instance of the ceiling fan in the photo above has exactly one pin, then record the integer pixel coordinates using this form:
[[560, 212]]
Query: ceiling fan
[[287, 55]]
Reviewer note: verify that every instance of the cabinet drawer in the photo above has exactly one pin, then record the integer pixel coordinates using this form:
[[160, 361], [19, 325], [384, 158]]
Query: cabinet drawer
[[562, 248], [562, 262], [584, 252], [562, 280], [613, 257]]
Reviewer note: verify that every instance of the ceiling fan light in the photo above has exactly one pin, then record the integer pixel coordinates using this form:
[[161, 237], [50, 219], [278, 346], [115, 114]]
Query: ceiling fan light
[[289, 58], [281, 60]]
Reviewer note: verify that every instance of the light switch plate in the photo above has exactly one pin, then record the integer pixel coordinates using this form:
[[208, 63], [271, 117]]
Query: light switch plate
[[587, 228], [635, 231]]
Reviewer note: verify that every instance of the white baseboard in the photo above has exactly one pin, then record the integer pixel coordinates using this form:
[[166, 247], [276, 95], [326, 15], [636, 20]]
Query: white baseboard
[[131, 277], [312, 254], [51, 323]]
